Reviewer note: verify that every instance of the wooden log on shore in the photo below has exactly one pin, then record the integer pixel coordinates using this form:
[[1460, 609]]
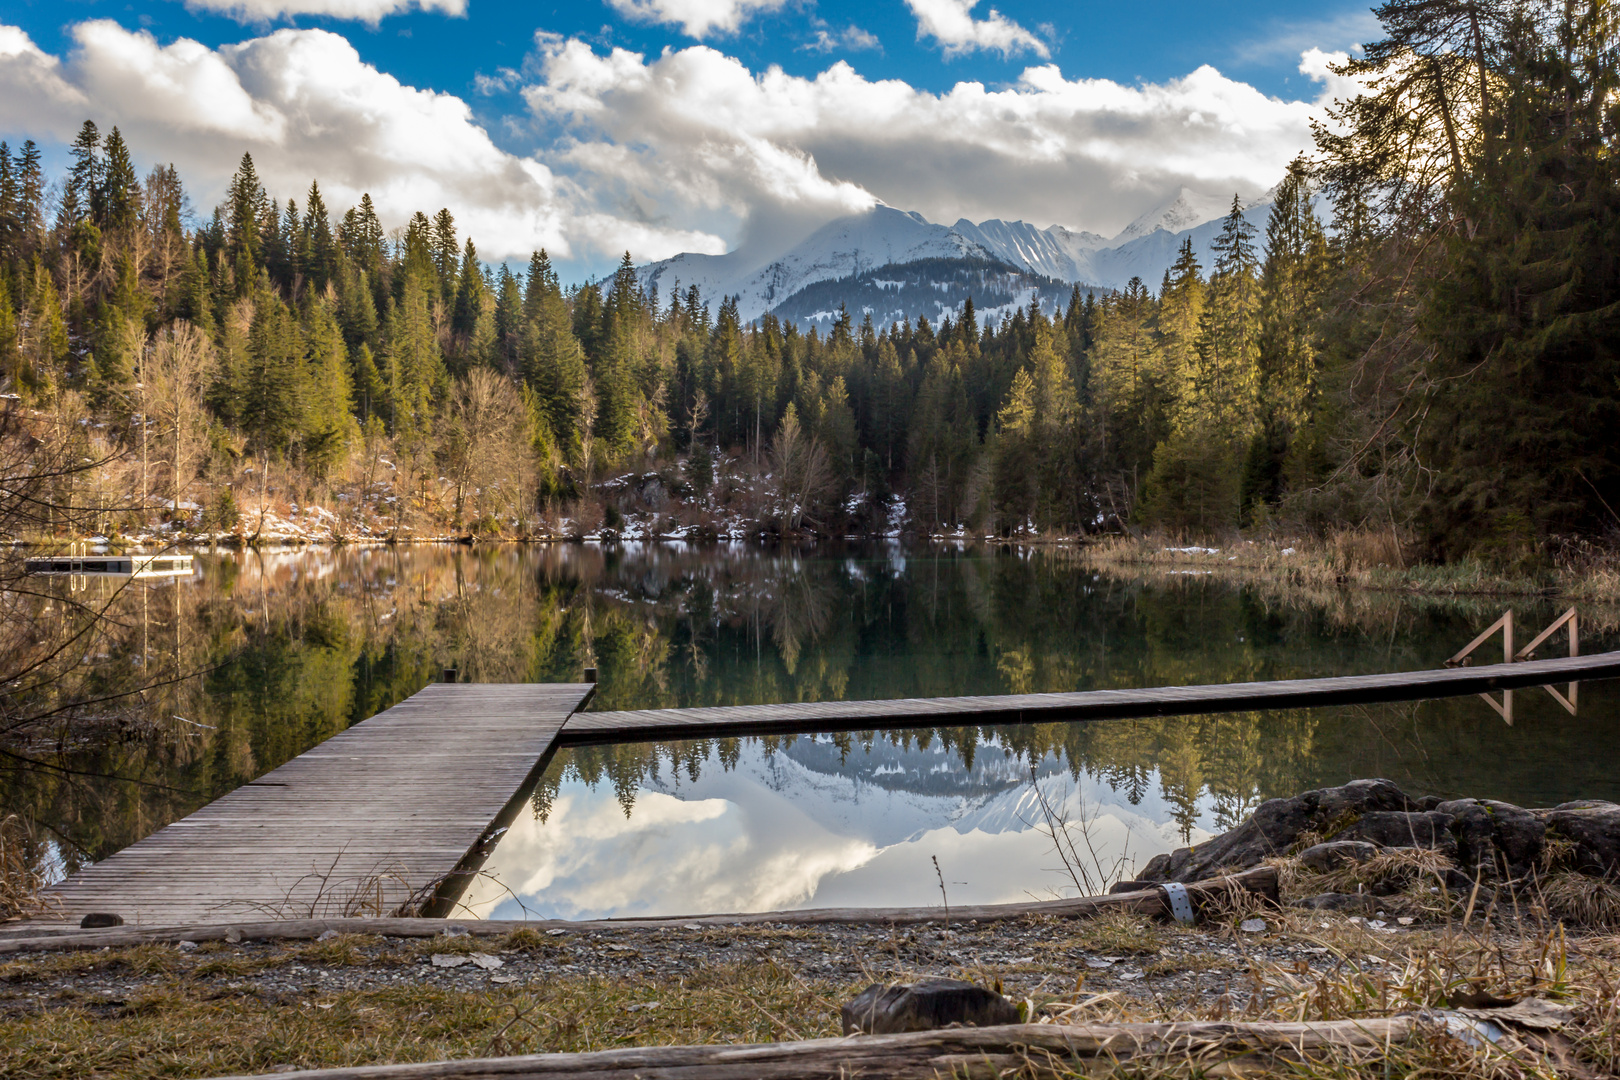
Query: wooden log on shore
[[1261, 881], [1039, 1050]]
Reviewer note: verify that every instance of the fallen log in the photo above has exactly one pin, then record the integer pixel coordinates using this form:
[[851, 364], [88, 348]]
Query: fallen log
[[1261, 881], [1028, 1049]]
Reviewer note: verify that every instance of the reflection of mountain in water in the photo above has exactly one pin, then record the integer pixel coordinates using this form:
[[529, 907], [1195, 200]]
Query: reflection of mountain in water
[[801, 826], [891, 793], [931, 769]]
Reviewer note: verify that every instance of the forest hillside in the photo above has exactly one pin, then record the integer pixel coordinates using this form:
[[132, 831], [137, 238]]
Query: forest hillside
[[1435, 361]]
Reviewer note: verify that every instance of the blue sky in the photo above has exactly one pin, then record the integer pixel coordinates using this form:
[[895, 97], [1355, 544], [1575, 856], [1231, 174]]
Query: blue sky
[[1088, 114]]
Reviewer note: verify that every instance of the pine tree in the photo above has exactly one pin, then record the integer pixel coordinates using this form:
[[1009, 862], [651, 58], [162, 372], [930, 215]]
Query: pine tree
[[357, 310], [1180, 317], [508, 319], [84, 178], [473, 321], [327, 421], [118, 195], [317, 249], [245, 207], [415, 364], [273, 385], [446, 256], [552, 361]]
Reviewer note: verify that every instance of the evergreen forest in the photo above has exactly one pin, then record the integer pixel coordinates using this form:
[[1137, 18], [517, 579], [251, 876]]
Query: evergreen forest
[[1422, 341]]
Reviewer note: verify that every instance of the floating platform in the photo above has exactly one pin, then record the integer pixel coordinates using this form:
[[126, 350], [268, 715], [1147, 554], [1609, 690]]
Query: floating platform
[[138, 566]]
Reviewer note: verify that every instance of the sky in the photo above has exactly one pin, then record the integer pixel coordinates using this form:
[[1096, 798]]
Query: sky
[[660, 126]]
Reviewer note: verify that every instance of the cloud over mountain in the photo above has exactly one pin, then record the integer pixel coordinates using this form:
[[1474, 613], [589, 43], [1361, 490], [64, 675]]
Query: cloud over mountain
[[694, 134], [688, 150]]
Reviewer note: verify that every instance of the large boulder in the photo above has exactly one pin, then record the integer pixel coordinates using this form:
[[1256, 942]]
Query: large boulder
[[1594, 828], [1397, 828], [1275, 828], [1327, 857], [1489, 840], [1495, 839]]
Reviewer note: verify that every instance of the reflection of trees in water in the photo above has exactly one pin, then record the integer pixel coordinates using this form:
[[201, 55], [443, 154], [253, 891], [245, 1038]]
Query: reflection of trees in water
[[1233, 762], [300, 645]]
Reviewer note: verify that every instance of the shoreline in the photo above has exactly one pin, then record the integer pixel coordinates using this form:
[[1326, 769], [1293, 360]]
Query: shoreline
[[1309, 564]]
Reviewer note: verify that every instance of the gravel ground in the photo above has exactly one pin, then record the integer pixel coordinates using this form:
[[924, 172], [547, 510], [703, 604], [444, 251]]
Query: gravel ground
[[1038, 957]]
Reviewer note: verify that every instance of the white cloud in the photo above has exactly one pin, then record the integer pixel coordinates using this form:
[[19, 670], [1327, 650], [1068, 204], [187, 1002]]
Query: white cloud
[[951, 23], [851, 39], [369, 11], [305, 105], [696, 18], [1314, 64], [686, 151], [697, 134]]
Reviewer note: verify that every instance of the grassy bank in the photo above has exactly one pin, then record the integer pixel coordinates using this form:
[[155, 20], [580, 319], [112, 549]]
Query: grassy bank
[[1359, 560], [220, 1009]]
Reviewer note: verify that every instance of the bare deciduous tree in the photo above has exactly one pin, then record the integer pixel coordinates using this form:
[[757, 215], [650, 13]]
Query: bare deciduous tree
[[803, 477]]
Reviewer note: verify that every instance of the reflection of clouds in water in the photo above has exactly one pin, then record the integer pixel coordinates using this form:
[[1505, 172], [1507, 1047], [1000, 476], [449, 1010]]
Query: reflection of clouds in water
[[669, 857], [773, 834]]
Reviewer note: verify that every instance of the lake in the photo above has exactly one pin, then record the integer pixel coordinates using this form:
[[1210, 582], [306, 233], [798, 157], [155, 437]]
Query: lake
[[263, 654]]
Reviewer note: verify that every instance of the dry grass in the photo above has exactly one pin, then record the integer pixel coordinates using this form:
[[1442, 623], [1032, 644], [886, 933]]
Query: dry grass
[[1357, 558], [187, 1019], [1580, 900], [21, 884], [192, 1027]]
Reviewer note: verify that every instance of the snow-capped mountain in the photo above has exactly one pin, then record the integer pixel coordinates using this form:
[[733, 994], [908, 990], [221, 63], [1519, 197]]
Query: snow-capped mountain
[[1184, 210], [883, 251], [842, 248]]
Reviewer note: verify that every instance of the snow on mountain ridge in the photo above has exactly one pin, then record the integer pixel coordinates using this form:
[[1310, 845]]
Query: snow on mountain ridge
[[841, 248], [1188, 209], [886, 236]]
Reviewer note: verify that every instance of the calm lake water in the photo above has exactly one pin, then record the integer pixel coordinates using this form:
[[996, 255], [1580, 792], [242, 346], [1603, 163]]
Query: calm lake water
[[273, 652]]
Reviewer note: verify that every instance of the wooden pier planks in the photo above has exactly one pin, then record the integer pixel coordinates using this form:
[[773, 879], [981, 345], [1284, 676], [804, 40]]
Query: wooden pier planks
[[585, 729], [384, 809]]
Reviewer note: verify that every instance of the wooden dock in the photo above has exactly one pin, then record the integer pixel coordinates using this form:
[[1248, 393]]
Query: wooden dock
[[588, 729], [371, 819]]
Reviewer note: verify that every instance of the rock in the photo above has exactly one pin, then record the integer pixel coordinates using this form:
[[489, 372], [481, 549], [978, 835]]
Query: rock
[[487, 962], [1275, 827], [924, 1005], [449, 960], [98, 920], [1335, 853], [327, 935], [1359, 903], [454, 930], [233, 935], [186, 946], [1252, 926], [1396, 828], [1594, 826], [1497, 837]]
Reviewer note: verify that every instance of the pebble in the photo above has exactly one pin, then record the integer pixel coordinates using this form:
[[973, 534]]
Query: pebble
[[1252, 926]]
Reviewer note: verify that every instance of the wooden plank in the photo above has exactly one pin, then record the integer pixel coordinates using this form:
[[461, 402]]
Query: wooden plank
[[1038, 1051], [384, 809], [585, 729]]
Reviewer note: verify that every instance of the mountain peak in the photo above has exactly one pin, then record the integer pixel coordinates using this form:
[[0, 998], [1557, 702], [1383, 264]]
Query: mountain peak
[[1182, 211]]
